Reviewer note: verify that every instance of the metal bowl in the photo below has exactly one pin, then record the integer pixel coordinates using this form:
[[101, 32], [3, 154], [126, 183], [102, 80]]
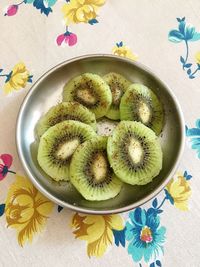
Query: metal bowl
[[47, 91]]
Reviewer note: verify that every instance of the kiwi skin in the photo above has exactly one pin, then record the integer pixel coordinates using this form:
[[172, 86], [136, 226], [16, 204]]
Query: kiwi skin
[[91, 91], [65, 111], [134, 173], [118, 85], [101, 184], [53, 155]]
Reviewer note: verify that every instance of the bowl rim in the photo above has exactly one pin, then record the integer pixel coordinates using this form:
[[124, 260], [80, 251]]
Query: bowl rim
[[85, 210]]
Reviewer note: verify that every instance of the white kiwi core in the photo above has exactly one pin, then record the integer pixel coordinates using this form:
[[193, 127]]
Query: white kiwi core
[[65, 150], [135, 151], [99, 167]]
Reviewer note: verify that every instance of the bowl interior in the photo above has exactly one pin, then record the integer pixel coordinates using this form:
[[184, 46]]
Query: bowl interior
[[47, 91]]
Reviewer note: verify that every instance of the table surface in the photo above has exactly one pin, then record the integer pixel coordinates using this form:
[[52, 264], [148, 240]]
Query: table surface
[[35, 36]]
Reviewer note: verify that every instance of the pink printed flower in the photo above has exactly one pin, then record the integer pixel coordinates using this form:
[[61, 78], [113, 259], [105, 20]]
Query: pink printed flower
[[11, 10], [68, 37], [72, 39], [5, 163], [60, 39]]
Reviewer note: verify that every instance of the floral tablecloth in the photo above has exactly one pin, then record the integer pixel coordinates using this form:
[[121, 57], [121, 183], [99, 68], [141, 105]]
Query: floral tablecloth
[[35, 36]]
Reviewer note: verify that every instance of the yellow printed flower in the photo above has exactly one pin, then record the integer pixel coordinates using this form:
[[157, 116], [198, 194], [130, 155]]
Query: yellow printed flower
[[77, 11], [26, 209], [197, 57], [17, 78], [123, 51], [97, 231], [178, 191]]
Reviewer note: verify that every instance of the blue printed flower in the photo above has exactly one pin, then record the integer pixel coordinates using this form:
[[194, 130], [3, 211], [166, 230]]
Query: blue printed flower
[[194, 133], [2, 209], [43, 5], [186, 33], [183, 33], [145, 235], [50, 2], [119, 236], [47, 3]]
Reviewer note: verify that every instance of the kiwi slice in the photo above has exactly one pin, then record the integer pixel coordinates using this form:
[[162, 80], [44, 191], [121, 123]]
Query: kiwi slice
[[134, 153], [118, 85], [91, 173], [139, 103], [91, 91], [58, 144], [65, 111]]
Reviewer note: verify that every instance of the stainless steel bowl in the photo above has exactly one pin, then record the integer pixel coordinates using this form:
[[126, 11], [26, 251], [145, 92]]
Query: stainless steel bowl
[[47, 92]]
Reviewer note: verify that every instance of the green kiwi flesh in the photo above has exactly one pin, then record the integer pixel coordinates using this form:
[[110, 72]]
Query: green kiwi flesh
[[91, 173], [139, 103], [134, 153], [118, 85], [65, 111], [58, 144], [91, 91]]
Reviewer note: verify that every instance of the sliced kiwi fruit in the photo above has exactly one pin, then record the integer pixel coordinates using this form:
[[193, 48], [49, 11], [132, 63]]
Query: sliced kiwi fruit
[[118, 85], [58, 144], [134, 153], [139, 103], [91, 173], [65, 111], [91, 91]]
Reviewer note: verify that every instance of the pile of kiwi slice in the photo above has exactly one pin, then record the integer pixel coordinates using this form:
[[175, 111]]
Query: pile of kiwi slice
[[70, 148]]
